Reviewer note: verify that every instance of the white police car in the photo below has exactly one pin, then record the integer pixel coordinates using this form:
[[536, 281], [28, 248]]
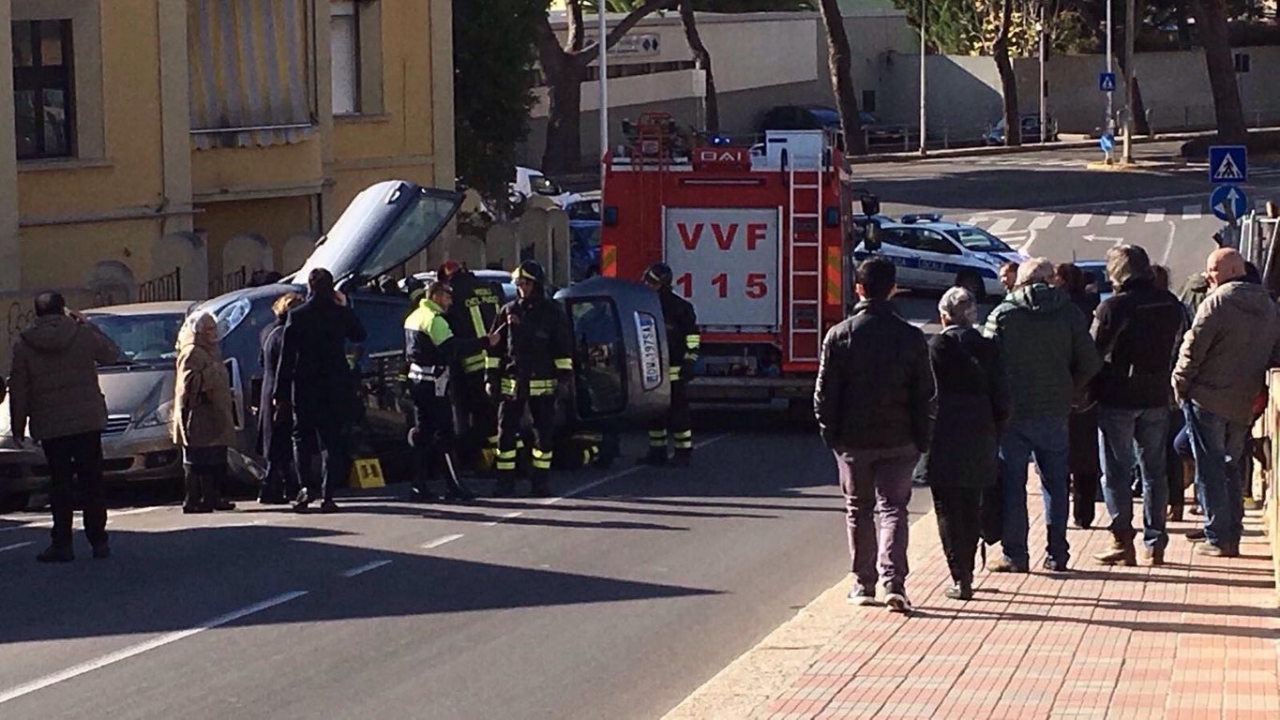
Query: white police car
[[931, 254]]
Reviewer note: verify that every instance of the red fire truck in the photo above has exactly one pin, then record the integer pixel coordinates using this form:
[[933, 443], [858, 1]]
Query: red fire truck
[[757, 239]]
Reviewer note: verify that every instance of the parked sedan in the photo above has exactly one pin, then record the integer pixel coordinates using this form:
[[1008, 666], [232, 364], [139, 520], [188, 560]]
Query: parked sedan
[[1030, 130]]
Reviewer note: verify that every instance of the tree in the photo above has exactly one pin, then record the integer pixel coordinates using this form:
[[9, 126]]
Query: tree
[[565, 67], [701, 61], [1008, 82], [493, 58], [1211, 25], [840, 65]]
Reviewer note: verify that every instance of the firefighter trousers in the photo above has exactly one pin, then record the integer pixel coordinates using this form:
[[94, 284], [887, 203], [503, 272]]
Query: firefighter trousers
[[433, 421], [677, 422], [475, 417], [510, 418]]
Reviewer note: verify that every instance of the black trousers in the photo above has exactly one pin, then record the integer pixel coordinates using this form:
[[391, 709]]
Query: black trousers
[[76, 458], [316, 431], [959, 525], [677, 422], [281, 477], [510, 416], [475, 415], [1173, 461], [433, 419], [1086, 470]]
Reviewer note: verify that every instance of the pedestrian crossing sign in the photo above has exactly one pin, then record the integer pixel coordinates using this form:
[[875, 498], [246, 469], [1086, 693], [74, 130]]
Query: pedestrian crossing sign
[[1228, 164], [1107, 82]]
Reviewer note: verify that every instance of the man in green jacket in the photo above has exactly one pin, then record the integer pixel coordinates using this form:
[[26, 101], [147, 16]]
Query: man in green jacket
[[1050, 357]]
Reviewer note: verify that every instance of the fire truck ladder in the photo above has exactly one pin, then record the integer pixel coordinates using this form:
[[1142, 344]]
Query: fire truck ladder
[[805, 261]]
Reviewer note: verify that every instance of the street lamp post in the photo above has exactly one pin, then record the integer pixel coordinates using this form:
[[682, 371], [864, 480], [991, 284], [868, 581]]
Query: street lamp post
[[923, 147], [1108, 123], [1130, 8], [1044, 131], [603, 47]]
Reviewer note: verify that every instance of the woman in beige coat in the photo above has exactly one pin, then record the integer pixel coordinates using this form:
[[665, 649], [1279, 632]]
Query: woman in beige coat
[[203, 424]]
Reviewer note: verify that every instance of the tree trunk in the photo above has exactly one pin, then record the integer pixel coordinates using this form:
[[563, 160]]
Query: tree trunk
[[1008, 82], [563, 152], [840, 63], [701, 61], [1140, 124], [1211, 24]]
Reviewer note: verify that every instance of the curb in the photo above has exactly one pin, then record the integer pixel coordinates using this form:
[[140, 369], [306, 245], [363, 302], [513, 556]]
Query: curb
[[743, 689]]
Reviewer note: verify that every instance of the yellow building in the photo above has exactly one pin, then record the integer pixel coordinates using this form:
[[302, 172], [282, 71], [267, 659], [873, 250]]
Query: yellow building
[[214, 138]]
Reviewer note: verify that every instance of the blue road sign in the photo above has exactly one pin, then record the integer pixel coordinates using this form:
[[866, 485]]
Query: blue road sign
[[1107, 142], [1107, 82], [1228, 202], [1228, 163]]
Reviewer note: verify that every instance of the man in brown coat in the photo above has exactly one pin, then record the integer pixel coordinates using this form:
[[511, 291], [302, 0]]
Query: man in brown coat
[[54, 385]]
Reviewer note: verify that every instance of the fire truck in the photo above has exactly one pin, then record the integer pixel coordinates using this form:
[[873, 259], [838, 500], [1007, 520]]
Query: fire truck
[[759, 239]]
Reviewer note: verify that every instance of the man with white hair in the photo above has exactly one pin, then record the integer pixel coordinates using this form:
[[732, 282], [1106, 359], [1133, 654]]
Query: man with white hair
[[1050, 358]]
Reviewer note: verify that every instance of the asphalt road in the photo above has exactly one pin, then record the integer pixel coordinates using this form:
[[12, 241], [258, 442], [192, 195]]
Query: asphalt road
[[614, 603]]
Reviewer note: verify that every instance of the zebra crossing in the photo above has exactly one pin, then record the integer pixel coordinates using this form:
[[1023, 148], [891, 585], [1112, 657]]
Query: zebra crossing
[[1001, 224], [1079, 163]]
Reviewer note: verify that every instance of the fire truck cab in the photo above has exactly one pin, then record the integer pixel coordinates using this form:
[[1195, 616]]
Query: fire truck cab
[[759, 239]]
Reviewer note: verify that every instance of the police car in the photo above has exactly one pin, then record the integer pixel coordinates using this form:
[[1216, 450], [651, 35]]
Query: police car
[[932, 254]]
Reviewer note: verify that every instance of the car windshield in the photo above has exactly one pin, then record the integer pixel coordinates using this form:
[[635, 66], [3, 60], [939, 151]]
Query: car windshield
[[973, 238], [149, 339], [544, 185]]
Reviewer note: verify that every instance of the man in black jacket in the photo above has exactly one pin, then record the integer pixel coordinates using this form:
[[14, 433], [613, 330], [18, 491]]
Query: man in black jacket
[[875, 403], [1137, 332], [314, 383]]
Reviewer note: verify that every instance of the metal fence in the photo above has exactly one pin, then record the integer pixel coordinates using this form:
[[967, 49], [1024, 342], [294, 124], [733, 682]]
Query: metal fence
[[231, 281], [161, 289]]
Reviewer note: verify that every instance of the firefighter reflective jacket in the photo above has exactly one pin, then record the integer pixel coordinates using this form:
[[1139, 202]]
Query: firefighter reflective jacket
[[475, 305], [430, 345], [535, 346], [683, 340]]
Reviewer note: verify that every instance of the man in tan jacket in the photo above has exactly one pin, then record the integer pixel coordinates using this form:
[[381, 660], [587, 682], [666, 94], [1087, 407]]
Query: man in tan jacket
[[54, 385]]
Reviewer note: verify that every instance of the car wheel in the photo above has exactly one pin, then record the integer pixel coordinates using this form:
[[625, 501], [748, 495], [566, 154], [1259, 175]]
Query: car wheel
[[971, 282]]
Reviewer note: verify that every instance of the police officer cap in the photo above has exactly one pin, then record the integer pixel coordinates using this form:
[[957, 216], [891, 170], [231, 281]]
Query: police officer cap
[[658, 273], [529, 270]]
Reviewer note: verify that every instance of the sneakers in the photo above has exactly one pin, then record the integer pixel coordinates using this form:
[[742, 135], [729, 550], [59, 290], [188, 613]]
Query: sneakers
[[56, 554], [328, 507], [1208, 549], [1121, 552], [1153, 556], [1056, 566], [897, 602], [861, 596], [959, 591], [1005, 565]]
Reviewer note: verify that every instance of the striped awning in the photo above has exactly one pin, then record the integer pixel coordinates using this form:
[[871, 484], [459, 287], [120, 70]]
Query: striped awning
[[249, 72]]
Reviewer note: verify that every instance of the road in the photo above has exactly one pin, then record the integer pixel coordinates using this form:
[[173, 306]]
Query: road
[[1050, 204], [614, 600], [614, 603]]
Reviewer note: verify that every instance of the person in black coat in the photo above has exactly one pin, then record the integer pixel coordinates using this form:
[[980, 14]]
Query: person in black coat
[[313, 383], [973, 405], [275, 436], [1082, 425]]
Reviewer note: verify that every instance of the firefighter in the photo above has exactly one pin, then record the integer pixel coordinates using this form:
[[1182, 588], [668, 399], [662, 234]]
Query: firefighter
[[432, 350], [534, 348], [683, 343], [475, 306]]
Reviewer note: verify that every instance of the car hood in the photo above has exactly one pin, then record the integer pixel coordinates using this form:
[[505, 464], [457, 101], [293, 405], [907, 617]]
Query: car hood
[[136, 390], [384, 226]]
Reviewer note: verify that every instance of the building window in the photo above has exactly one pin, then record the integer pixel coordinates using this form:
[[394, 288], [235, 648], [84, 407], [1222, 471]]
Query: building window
[[43, 89], [344, 49]]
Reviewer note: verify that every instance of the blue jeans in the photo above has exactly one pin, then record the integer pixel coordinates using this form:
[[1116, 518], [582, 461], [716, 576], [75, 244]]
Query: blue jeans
[[1121, 429], [1044, 438], [1218, 445]]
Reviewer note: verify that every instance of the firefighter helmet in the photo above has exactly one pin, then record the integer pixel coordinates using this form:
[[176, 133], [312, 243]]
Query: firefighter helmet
[[658, 274], [529, 270]]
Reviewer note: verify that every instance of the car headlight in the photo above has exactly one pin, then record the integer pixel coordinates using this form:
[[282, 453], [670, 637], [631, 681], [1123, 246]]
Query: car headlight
[[230, 316], [160, 416]]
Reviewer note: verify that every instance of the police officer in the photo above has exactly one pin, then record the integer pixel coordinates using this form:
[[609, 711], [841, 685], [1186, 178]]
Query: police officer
[[475, 306], [432, 350], [683, 343], [534, 347]]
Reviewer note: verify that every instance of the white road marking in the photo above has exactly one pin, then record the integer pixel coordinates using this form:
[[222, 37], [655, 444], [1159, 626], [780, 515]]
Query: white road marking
[[442, 540], [1191, 212], [505, 518], [1154, 216], [621, 474], [362, 569], [1117, 218], [1003, 225], [1079, 220], [1041, 222], [135, 650], [135, 511], [15, 546]]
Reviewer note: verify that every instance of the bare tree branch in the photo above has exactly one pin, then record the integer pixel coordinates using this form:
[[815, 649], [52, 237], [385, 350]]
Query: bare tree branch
[[574, 18]]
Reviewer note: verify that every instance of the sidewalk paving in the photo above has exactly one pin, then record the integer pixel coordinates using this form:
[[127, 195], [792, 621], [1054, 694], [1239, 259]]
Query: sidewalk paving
[[1198, 638]]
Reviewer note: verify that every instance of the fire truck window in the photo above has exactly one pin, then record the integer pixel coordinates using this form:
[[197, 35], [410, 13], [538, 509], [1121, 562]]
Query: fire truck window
[[599, 357]]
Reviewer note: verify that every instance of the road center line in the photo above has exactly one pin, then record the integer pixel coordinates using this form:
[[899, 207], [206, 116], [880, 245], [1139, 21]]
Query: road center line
[[126, 653], [621, 474], [443, 540], [15, 546], [362, 569]]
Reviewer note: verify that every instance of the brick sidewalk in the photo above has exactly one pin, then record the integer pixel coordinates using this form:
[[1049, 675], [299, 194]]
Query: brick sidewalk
[[1198, 638]]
